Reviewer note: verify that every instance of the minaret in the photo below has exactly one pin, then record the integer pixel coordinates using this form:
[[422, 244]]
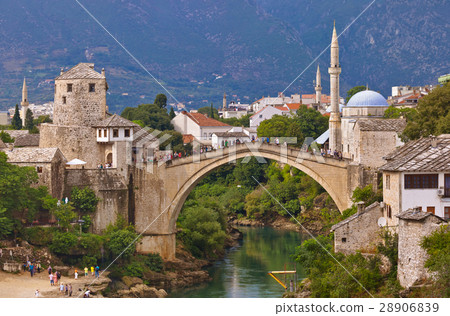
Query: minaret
[[24, 104], [224, 106], [318, 86], [335, 117]]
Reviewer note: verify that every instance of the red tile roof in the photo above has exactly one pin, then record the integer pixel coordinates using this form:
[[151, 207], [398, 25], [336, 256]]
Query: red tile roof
[[188, 138], [293, 106], [202, 120]]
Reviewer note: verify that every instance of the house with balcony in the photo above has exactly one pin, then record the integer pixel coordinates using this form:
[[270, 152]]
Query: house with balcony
[[417, 176]]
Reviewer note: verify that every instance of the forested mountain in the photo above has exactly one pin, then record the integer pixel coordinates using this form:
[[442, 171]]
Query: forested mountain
[[201, 48]]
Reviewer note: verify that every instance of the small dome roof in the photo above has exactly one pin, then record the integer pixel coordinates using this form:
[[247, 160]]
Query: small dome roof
[[367, 98]]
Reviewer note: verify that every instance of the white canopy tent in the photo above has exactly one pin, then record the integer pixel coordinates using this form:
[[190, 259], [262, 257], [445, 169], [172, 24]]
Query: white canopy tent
[[76, 162]]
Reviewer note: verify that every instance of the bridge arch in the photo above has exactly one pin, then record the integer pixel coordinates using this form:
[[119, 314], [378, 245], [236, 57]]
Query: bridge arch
[[330, 173]]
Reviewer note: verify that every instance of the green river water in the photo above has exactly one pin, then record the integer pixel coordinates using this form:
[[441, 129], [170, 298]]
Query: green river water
[[243, 271]]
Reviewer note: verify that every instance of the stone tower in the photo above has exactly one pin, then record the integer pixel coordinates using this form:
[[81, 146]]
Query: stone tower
[[80, 96], [24, 104], [335, 117], [318, 86], [224, 106]]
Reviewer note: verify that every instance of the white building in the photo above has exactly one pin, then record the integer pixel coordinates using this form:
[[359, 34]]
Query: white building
[[5, 118], [265, 113], [198, 125], [417, 175], [275, 101], [236, 135]]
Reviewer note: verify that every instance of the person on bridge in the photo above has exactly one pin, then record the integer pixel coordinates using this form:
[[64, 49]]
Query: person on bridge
[[277, 141]]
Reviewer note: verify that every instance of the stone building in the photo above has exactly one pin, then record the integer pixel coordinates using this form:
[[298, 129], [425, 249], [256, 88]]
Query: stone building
[[5, 118], [359, 232], [79, 104], [414, 224], [367, 140], [27, 140], [48, 162], [417, 175]]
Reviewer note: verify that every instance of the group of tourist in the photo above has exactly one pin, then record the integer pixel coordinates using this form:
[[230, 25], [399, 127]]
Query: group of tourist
[[104, 166], [32, 267], [54, 277], [327, 153]]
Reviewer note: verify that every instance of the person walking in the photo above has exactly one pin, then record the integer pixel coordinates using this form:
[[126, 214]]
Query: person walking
[[55, 278], [67, 289], [70, 289], [61, 287], [52, 281], [92, 270], [86, 271], [31, 269], [36, 294], [38, 267], [49, 269], [76, 275], [97, 271], [58, 275]]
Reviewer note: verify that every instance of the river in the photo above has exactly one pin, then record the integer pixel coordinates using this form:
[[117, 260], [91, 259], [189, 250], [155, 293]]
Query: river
[[243, 271]]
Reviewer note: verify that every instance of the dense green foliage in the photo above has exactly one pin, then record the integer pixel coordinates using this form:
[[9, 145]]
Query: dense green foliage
[[207, 111], [151, 115], [431, 116], [354, 91], [17, 182], [16, 120], [6, 138], [233, 121], [367, 195], [6, 224], [437, 246], [329, 278], [397, 112], [305, 123], [84, 200], [43, 119]]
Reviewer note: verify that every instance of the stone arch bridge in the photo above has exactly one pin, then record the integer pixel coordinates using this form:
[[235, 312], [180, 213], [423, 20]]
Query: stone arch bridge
[[158, 192]]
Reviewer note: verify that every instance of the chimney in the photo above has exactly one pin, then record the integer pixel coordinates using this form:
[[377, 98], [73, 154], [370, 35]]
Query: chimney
[[103, 72], [359, 207], [433, 141], [62, 71]]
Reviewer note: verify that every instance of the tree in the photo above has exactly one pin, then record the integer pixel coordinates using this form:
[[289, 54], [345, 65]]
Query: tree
[[281, 126], [29, 120], [312, 122], [171, 113], [437, 246], [395, 112], [6, 224], [84, 199], [233, 121], [161, 101], [354, 91], [16, 121], [119, 241], [6, 138], [65, 215], [432, 115], [150, 114], [206, 110], [42, 119]]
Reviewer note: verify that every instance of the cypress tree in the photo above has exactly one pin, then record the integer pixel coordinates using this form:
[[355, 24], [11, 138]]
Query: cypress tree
[[212, 110], [171, 113], [29, 124], [16, 121]]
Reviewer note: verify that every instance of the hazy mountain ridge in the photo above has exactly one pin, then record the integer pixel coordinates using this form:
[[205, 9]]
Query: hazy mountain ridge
[[199, 49]]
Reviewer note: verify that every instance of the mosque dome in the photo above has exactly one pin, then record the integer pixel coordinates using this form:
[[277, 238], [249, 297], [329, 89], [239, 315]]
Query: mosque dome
[[367, 98]]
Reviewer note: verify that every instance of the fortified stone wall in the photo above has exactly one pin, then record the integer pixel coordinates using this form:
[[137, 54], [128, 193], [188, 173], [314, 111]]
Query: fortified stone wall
[[359, 232], [374, 145], [109, 186], [411, 256], [74, 142]]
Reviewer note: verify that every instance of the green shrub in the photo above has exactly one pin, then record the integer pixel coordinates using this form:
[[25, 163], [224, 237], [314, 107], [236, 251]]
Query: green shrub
[[88, 261], [119, 240], [39, 236], [63, 243], [84, 199], [135, 269], [154, 262]]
